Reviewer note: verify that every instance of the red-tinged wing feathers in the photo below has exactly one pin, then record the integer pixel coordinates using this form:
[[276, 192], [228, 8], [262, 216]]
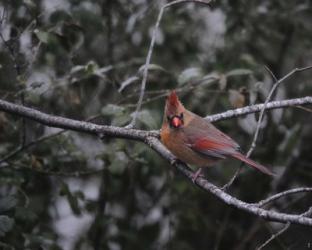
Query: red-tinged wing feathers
[[212, 148], [209, 144], [208, 141]]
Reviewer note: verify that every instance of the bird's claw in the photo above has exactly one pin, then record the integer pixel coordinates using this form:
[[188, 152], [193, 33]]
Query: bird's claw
[[196, 175]]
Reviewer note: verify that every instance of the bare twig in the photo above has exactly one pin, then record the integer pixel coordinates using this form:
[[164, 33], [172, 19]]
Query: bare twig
[[231, 181], [304, 108], [22, 148], [274, 236], [258, 107], [149, 55], [271, 73], [282, 194]]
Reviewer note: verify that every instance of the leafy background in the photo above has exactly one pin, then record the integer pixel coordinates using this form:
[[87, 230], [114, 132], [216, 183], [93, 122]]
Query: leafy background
[[83, 59]]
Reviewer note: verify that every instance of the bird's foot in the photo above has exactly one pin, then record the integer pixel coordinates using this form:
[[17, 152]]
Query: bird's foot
[[196, 175]]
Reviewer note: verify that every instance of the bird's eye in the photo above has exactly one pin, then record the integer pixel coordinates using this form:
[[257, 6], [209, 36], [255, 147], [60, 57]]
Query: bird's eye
[[181, 116], [168, 118]]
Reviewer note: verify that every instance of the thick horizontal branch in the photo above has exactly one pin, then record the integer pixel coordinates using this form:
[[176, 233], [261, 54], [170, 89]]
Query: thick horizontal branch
[[151, 138], [135, 134], [81, 126], [258, 107]]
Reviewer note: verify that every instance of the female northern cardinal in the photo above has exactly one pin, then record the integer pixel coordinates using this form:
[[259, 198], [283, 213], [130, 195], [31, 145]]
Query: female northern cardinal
[[196, 141]]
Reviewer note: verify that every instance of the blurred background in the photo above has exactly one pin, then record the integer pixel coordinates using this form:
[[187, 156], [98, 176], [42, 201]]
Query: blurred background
[[83, 59]]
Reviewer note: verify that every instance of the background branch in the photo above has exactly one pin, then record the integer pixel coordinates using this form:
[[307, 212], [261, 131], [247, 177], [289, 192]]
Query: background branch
[[258, 107], [282, 194]]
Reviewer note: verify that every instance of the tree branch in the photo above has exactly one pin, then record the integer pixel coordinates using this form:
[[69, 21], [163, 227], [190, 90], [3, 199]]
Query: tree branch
[[80, 126], [258, 107], [151, 138], [282, 194]]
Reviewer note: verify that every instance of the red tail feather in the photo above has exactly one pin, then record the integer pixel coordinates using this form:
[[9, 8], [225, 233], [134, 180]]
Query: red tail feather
[[250, 162]]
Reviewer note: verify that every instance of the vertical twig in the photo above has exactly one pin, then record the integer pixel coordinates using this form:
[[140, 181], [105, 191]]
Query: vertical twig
[[149, 55]]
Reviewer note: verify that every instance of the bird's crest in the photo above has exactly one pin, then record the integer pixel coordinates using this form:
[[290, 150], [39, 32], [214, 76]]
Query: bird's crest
[[173, 104], [173, 99]]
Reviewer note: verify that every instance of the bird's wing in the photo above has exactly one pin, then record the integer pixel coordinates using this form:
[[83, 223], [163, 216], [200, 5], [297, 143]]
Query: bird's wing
[[207, 140], [210, 141]]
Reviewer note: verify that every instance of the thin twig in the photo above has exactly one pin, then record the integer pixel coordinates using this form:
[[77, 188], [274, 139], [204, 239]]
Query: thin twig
[[145, 72], [258, 107], [22, 148], [149, 55], [271, 73], [274, 236], [282, 194], [230, 182], [304, 108]]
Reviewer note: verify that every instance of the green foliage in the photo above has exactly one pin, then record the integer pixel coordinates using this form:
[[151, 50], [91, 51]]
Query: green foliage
[[85, 60]]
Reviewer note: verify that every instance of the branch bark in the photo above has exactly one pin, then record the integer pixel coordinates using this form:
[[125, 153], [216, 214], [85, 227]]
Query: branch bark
[[258, 107]]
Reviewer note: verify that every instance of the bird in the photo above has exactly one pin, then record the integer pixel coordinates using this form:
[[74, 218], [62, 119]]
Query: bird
[[195, 141]]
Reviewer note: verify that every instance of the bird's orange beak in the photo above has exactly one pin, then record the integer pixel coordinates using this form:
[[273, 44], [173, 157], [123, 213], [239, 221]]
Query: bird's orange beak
[[176, 122]]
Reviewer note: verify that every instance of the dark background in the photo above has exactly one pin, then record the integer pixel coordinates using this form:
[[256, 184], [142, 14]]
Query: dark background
[[81, 59]]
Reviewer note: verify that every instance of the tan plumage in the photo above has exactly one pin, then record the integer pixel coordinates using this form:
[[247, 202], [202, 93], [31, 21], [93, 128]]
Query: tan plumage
[[194, 140]]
